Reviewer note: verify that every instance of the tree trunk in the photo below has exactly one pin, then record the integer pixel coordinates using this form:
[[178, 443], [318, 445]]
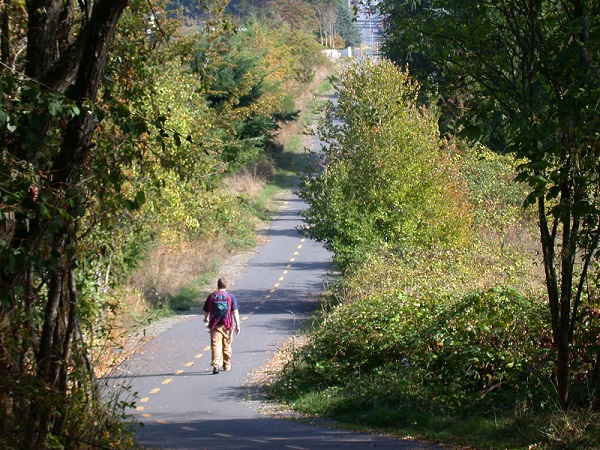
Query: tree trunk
[[595, 382], [44, 281], [4, 34], [557, 306]]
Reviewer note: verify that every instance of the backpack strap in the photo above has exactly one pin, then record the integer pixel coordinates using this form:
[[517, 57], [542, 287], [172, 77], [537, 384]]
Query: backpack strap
[[228, 321], [211, 301]]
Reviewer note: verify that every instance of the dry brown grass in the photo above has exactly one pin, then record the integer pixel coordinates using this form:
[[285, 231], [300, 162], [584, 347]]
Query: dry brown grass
[[167, 269], [252, 180]]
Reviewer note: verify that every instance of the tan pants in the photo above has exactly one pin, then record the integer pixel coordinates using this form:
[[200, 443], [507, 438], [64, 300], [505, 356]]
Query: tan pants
[[220, 346]]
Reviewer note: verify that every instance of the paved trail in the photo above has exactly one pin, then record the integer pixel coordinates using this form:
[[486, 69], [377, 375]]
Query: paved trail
[[183, 405]]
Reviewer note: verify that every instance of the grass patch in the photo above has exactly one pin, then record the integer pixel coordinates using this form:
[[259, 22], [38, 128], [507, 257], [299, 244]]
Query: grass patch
[[294, 145], [325, 86], [319, 403], [192, 295], [265, 204], [407, 421], [281, 182]]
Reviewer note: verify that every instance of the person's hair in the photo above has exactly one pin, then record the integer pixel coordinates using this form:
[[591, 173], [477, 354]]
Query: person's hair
[[222, 283]]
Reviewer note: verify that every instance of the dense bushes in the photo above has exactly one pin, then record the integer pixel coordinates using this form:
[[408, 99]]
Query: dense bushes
[[483, 352]]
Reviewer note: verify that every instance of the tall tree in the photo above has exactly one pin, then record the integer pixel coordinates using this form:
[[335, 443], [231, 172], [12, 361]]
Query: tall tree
[[48, 116], [326, 13], [525, 77], [347, 26], [383, 181]]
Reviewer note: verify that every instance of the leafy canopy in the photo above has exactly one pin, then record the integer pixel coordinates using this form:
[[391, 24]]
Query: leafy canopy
[[381, 180]]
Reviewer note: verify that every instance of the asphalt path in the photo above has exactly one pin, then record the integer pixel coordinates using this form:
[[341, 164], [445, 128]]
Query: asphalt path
[[370, 28], [182, 405]]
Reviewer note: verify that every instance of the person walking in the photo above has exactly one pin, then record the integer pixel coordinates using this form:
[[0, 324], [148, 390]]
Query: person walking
[[222, 315]]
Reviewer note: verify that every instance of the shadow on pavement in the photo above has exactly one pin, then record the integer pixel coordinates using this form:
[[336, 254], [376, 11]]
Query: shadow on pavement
[[262, 433]]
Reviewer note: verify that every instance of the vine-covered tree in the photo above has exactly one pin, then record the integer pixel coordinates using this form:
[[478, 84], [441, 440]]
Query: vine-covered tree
[[53, 57]]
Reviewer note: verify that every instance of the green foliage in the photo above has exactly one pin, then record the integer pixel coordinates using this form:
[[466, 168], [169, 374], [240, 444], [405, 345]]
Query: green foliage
[[291, 54], [378, 360], [381, 179], [93, 180], [494, 194], [220, 128], [544, 79], [246, 83], [479, 386]]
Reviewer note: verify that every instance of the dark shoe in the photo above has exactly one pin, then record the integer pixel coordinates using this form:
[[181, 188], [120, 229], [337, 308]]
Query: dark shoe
[[215, 371]]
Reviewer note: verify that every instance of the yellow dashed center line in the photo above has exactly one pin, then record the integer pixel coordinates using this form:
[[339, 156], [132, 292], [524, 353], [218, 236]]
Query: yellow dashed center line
[[199, 355]]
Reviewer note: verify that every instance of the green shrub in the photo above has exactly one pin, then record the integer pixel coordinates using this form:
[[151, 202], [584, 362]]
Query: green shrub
[[488, 350], [480, 353]]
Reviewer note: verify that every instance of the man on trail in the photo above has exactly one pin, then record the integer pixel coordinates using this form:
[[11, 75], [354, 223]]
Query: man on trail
[[220, 312]]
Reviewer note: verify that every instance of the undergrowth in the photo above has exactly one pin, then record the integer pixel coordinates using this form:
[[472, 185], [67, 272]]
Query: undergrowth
[[470, 371]]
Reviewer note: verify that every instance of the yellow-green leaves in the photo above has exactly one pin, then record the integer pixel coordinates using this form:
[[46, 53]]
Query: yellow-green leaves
[[388, 182]]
